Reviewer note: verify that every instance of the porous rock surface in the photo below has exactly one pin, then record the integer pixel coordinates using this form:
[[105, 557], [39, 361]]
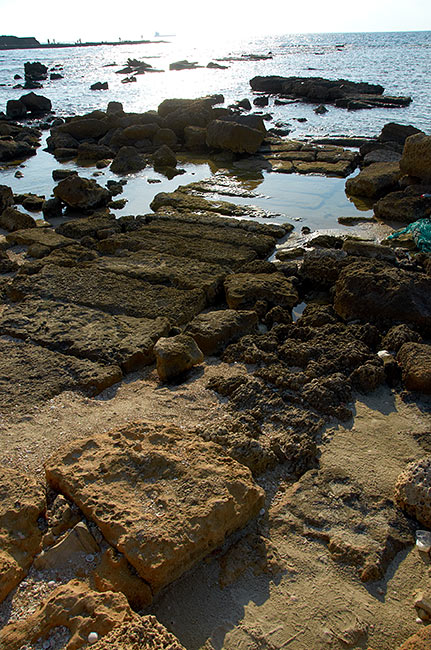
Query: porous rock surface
[[22, 502], [44, 374], [83, 332], [176, 355], [376, 292], [415, 361], [215, 329], [416, 158], [243, 289], [412, 490], [76, 607], [145, 633], [77, 192], [159, 494]]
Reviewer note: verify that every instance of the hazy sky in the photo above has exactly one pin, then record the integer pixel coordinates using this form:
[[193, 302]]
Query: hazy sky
[[109, 20]]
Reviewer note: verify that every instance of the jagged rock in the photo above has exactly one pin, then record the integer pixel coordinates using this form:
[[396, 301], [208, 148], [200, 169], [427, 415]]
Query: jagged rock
[[72, 548], [22, 502], [85, 193], [181, 201], [145, 632], [405, 207], [15, 109], [44, 374], [164, 157], [183, 65], [376, 292], [6, 197], [36, 104], [36, 71], [6, 264], [85, 333], [99, 85], [128, 160], [374, 180], [74, 606], [114, 573], [398, 133], [12, 219], [415, 361], [398, 335], [164, 498], [412, 490], [244, 289], [212, 331], [232, 136], [176, 355], [416, 158]]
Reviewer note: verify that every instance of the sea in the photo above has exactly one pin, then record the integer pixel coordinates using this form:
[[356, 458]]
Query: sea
[[399, 61]]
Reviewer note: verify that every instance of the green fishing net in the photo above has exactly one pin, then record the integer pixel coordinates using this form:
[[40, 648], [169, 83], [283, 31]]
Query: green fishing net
[[421, 233]]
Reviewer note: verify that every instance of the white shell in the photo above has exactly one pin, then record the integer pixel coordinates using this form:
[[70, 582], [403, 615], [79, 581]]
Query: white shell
[[93, 637]]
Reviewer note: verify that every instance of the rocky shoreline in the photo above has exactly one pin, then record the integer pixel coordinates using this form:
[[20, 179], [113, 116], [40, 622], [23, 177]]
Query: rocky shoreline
[[186, 296]]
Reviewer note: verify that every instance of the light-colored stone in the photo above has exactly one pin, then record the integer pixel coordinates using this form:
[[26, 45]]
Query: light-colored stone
[[159, 494], [72, 547], [176, 355], [22, 502], [413, 488]]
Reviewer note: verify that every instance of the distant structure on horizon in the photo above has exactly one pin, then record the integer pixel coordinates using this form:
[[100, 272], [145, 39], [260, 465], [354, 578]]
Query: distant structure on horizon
[[158, 35], [18, 42]]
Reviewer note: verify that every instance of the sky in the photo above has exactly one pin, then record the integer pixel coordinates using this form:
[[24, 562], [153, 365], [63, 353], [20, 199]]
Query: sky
[[134, 19]]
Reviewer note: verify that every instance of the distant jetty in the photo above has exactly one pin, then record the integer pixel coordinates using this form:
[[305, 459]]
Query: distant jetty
[[31, 43]]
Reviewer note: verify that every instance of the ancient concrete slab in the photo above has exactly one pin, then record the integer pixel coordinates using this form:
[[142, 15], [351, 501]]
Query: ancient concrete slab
[[159, 494], [110, 292], [85, 333], [30, 374]]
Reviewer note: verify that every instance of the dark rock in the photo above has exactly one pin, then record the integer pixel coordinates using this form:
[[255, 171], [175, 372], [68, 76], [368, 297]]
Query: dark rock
[[55, 75], [404, 207], [262, 100], [374, 180], [164, 157], [15, 109], [36, 71], [214, 330], [61, 174], [128, 160], [398, 133], [6, 197], [415, 362], [175, 355], [100, 85], [184, 65], [244, 103], [233, 137], [52, 208], [244, 289], [77, 192], [376, 292], [36, 104], [398, 335], [416, 158], [12, 219], [84, 128]]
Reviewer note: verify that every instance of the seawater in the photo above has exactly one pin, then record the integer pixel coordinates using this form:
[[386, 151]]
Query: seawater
[[401, 62]]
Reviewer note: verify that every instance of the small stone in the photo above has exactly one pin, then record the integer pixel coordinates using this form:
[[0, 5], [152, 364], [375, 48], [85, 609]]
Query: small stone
[[89, 557], [93, 638], [46, 645]]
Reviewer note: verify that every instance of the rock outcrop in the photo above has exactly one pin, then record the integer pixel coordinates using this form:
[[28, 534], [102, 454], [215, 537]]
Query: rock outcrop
[[159, 494], [412, 490]]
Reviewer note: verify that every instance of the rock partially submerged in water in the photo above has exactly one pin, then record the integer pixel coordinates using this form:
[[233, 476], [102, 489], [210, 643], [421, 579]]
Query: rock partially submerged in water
[[81, 193], [416, 158], [343, 93]]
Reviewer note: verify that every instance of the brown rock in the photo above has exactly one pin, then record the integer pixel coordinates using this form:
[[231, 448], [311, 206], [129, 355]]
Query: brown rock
[[6, 197], [114, 573], [233, 137], [22, 502], [415, 362], [212, 331], [79, 192], [41, 236], [412, 490], [176, 355], [128, 160], [71, 548], [81, 129], [374, 180], [145, 633], [243, 289], [12, 219], [419, 641], [159, 494], [75, 606], [416, 158]]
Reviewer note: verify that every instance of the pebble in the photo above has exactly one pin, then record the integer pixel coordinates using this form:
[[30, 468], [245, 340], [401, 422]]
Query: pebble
[[262, 512], [46, 645], [89, 557], [93, 637], [51, 583]]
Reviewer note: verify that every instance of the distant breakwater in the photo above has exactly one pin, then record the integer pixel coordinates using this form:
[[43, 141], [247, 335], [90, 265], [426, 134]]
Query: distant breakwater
[[46, 46]]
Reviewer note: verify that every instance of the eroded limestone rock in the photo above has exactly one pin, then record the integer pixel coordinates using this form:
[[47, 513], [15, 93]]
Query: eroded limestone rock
[[159, 494], [412, 490]]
